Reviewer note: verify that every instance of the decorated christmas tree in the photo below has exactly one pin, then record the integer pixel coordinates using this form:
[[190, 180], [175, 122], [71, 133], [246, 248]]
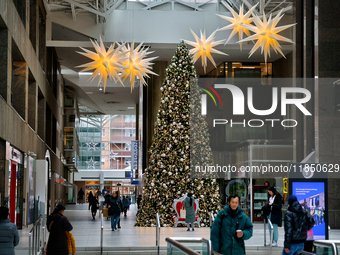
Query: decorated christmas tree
[[172, 157]]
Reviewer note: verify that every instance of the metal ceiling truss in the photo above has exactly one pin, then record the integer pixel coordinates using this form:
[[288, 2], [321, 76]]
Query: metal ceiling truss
[[103, 8]]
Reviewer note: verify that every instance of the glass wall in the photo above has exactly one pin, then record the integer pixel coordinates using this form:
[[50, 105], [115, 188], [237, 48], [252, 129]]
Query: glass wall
[[105, 141]]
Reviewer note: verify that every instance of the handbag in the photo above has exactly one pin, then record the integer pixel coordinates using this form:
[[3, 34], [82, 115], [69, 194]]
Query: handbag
[[182, 213]]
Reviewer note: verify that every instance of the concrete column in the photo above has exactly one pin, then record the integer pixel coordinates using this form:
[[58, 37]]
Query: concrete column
[[328, 121], [2, 171], [3, 62]]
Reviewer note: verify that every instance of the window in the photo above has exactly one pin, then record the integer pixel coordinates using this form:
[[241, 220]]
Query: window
[[129, 132], [102, 161], [103, 132]]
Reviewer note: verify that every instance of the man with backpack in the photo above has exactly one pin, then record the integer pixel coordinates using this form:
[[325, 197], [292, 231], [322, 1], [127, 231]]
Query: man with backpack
[[115, 208], [297, 223], [230, 229]]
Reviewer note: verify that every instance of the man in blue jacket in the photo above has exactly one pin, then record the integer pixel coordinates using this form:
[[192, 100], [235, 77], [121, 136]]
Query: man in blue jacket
[[231, 227], [9, 236]]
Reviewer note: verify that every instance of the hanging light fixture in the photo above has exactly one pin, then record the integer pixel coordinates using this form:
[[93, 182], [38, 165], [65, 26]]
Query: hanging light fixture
[[203, 47]]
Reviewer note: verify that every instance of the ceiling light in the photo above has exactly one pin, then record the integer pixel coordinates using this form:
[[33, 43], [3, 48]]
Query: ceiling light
[[84, 73], [131, 108]]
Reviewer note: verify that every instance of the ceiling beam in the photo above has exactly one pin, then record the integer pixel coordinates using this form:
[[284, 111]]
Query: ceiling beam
[[73, 13], [113, 7], [250, 6], [193, 6], [85, 7], [149, 6]]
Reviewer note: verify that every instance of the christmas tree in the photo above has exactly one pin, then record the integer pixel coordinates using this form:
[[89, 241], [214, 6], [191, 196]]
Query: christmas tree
[[172, 157]]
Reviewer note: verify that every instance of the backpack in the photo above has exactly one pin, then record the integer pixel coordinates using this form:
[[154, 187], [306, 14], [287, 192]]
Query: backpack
[[265, 211]]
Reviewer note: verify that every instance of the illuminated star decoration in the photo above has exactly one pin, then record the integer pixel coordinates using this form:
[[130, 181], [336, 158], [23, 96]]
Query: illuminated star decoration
[[135, 64], [91, 163], [112, 155], [91, 145], [266, 34], [204, 47], [106, 63], [237, 23]]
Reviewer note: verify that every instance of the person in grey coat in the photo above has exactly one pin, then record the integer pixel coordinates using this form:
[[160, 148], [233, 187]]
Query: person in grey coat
[[9, 236], [188, 204]]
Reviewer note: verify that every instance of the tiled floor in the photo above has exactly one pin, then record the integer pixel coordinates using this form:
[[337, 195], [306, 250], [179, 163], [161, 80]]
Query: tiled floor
[[86, 231]]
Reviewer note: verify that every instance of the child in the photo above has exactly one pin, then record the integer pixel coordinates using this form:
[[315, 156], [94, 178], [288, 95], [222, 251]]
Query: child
[[71, 243]]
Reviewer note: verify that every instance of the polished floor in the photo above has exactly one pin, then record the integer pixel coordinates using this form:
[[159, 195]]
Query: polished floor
[[87, 231]]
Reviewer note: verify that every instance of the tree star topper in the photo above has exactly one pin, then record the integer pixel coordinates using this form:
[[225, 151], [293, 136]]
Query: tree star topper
[[266, 34], [135, 64], [237, 23], [204, 47], [106, 63]]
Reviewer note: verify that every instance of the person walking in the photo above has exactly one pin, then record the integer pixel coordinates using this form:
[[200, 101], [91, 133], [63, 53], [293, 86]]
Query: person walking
[[230, 229], [89, 198], [188, 204], [297, 223], [9, 236], [139, 200], [275, 216], [115, 206], [81, 196], [57, 225], [94, 206], [71, 243], [125, 205]]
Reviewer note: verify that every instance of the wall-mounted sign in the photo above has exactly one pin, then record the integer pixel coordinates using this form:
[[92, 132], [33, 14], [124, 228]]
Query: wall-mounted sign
[[134, 157], [312, 196]]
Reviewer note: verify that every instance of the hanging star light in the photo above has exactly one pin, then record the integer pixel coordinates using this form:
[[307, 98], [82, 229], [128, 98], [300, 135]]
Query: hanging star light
[[91, 145], [266, 34], [237, 23], [91, 163], [112, 155], [106, 63], [135, 64], [203, 47]]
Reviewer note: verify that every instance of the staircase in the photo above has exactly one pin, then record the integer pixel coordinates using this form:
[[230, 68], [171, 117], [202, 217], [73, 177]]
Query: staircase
[[152, 250]]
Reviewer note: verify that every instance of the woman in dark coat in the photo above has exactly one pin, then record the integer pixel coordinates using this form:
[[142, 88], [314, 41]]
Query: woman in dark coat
[[57, 225], [275, 216], [94, 206]]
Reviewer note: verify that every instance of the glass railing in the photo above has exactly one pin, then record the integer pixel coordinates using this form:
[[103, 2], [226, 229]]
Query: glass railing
[[327, 247], [178, 245]]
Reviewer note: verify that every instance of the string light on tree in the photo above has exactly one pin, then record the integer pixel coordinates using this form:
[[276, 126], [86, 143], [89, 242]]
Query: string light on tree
[[203, 47]]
